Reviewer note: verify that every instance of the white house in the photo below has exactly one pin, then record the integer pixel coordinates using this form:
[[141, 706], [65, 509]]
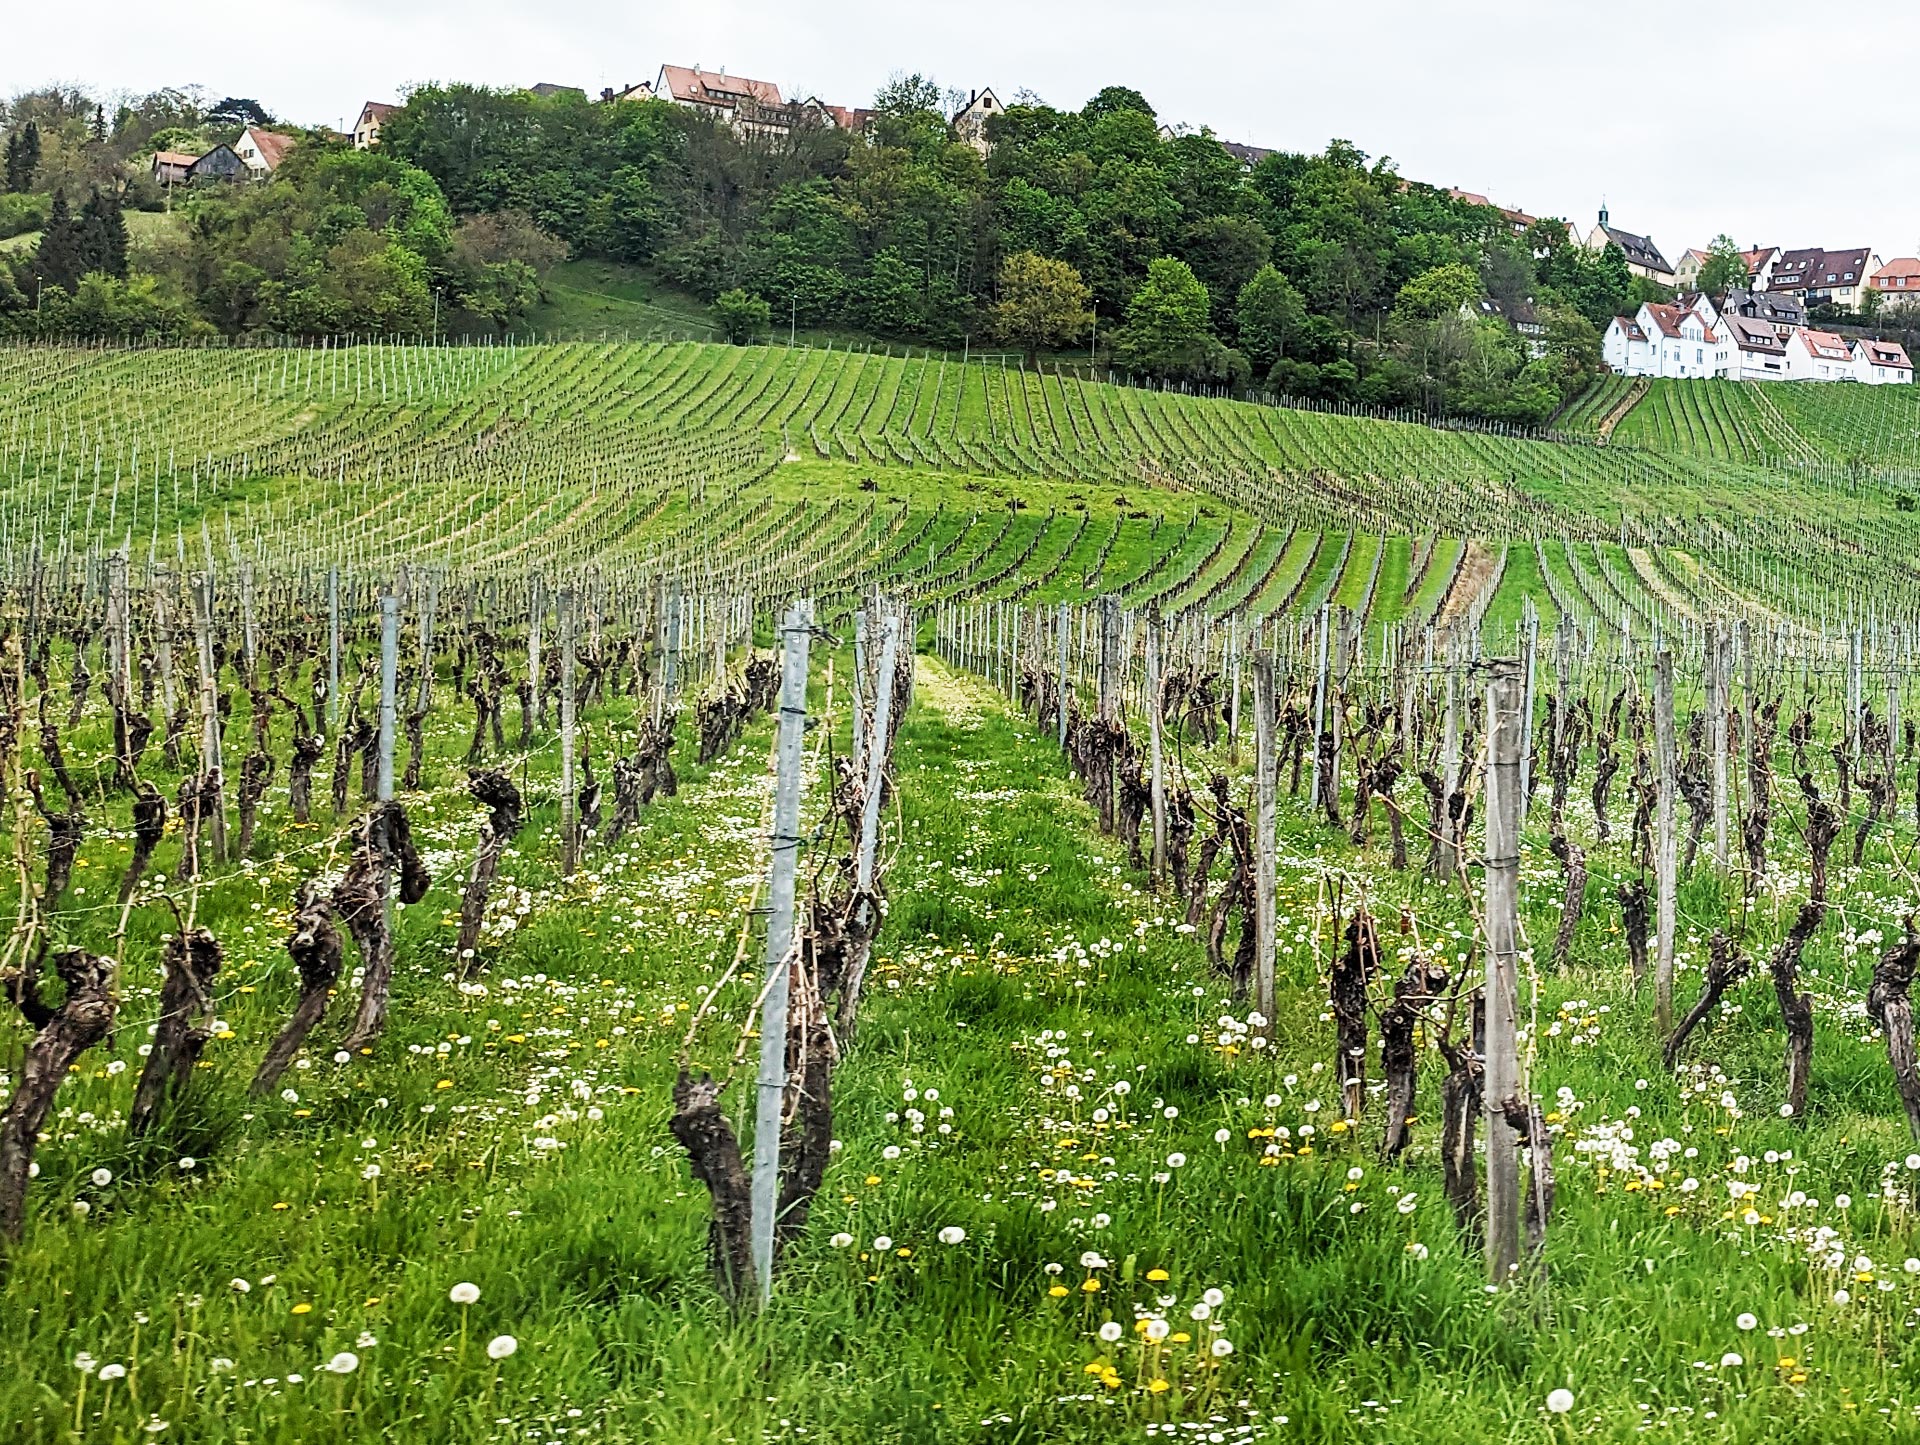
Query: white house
[[1671, 340], [1819, 356], [1758, 352], [970, 121], [1882, 363], [747, 105], [366, 130], [1760, 263], [261, 150]]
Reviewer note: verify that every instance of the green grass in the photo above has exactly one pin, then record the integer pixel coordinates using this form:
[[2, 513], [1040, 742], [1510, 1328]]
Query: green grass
[[1021, 955]]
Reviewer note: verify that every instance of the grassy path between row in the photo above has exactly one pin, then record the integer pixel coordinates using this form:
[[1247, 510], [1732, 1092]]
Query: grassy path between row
[[1052, 1122]]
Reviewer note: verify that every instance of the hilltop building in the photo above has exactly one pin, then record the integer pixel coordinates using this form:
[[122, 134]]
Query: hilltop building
[[970, 121], [1643, 257], [1815, 275], [366, 130], [261, 150]]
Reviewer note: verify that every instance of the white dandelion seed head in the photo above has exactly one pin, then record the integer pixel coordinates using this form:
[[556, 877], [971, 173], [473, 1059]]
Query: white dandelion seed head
[[344, 1363], [1111, 1331], [953, 1234], [501, 1346], [464, 1293], [1559, 1401]]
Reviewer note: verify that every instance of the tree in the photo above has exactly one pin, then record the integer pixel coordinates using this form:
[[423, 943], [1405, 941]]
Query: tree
[[1166, 332], [1116, 98], [1438, 293], [23, 157], [741, 315], [1268, 313], [99, 128], [57, 261], [102, 236], [236, 112], [1042, 303], [905, 95], [1724, 269]]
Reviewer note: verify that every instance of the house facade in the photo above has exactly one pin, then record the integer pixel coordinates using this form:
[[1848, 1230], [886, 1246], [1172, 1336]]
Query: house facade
[[1517, 316], [1899, 278], [261, 150], [1882, 363], [1819, 356], [970, 121], [1667, 340], [1816, 275], [366, 130], [1779, 309], [1759, 353], [1643, 257], [171, 168], [751, 106], [219, 164]]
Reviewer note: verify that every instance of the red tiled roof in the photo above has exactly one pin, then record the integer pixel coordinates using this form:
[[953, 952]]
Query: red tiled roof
[[709, 87], [173, 158], [1898, 266], [1886, 353], [273, 145], [1825, 345]]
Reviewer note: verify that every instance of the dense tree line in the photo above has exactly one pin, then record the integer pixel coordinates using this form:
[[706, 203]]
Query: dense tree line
[[1323, 274], [1162, 254]]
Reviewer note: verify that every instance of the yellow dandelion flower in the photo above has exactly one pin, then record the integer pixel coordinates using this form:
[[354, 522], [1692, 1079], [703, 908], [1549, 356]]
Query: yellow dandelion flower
[[1158, 1387], [1059, 1291], [1092, 1286], [303, 1308], [1157, 1274]]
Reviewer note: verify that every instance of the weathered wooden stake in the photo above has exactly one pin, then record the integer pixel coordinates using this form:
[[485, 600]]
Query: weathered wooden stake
[[1503, 803], [1666, 841], [1266, 767], [795, 634]]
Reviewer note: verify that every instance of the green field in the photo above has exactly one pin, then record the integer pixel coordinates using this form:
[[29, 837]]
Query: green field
[[1076, 1192]]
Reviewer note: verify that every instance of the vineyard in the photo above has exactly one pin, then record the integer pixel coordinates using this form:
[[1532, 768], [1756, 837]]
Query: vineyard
[[682, 892]]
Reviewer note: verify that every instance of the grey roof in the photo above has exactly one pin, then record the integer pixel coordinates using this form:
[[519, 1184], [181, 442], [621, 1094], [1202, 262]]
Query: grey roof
[[1640, 249], [1752, 335]]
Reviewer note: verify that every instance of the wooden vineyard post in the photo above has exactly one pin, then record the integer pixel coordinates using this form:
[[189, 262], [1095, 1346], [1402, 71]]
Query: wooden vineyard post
[[249, 631], [1717, 697], [1156, 751], [333, 651], [1666, 841], [875, 781], [1061, 670], [536, 614], [1233, 703], [1266, 771], [857, 685], [389, 688], [1503, 803], [1530, 641], [1319, 704], [163, 646], [670, 675], [795, 634], [210, 760], [1109, 659], [569, 820]]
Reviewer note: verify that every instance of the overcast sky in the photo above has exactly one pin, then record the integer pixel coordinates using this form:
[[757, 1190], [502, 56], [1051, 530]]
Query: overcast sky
[[1688, 118]]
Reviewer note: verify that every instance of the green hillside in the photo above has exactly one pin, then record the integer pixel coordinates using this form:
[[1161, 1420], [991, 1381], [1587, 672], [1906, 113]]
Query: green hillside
[[524, 454]]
